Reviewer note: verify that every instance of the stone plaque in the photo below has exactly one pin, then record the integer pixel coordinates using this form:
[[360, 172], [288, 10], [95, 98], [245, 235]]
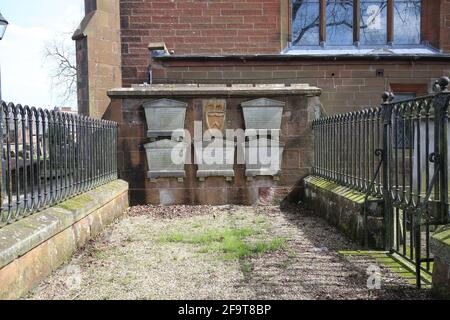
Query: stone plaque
[[214, 115], [215, 159], [263, 114], [165, 118], [263, 157], [166, 158]]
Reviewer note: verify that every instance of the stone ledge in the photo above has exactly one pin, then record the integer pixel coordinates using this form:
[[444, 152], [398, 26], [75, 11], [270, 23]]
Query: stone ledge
[[42, 243], [216, 90], [345, 192], [440, 243], [440, 248], [22, 236], [344, 208]]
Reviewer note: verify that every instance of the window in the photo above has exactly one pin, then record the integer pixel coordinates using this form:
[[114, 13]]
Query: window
[[373, 22], [306, 22], [339, 27], [348, 22]]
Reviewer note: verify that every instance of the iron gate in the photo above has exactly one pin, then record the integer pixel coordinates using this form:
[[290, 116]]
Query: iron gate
[[397, 152]]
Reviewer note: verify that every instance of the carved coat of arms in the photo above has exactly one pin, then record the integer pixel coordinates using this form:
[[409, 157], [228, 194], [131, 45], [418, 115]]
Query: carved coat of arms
[[214, 112]]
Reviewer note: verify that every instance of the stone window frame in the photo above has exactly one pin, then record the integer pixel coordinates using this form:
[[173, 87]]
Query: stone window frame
[[287, 25]]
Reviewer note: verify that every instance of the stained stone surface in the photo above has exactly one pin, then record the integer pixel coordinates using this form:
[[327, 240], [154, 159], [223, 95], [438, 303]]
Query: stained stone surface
[[164, 117], [166, 158], [263, 157], [263, 114], [215, 159]]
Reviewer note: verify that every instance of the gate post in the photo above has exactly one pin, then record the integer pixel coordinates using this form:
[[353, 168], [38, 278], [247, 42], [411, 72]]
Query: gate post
[[388, 213], [441, 148]]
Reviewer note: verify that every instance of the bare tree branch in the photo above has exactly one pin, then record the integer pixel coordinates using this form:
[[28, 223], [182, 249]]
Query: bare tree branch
[[59, 57]]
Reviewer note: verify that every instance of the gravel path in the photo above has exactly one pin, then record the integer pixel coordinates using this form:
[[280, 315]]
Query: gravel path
[[131, 261]]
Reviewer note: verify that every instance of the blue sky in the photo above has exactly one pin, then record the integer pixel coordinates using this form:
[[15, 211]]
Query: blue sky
[[25, 77]]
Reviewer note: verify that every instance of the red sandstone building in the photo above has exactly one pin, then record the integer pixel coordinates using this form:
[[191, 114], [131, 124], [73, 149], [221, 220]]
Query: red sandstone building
[[352, 50], [251, 41]]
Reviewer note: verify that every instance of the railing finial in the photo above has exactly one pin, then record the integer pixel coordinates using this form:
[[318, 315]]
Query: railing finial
[[443, 83], [387, 97]]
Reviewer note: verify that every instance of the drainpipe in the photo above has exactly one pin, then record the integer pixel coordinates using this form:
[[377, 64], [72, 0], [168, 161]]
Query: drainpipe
[[150, 75]]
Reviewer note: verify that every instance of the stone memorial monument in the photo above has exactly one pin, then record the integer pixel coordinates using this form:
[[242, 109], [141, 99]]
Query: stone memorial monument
[[214, 155], [165, 118], [166, 154], [166, 159], [215, 159], [263, 150]]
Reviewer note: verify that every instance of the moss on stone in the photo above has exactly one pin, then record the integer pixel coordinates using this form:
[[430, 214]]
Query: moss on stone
[[442, 235], [345, 192], [76, 203], [395, 264]]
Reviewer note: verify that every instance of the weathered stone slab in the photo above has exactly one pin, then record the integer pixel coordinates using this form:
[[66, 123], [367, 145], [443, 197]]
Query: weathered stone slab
[[263, 157], [263, 114], [165, 118], [215, 159], [166, 159], [440, 248]]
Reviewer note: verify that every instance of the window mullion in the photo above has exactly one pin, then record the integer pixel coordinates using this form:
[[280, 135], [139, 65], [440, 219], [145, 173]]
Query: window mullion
[[390, 21], [356, 21], [323, 22]]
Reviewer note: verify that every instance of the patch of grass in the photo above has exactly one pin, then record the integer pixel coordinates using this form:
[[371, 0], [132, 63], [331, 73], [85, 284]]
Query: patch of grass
[[172, 237], [230, 242], [223, 235], [234, 248], [208, 236]]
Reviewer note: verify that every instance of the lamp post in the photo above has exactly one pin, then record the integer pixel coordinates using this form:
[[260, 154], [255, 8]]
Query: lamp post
[[3, 26]]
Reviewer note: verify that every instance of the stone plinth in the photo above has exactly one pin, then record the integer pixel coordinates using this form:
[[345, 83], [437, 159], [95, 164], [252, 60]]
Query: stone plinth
[[222, 107]]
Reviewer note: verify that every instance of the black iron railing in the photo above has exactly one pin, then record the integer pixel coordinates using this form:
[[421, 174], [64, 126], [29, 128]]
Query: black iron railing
[[49, 156], [397, 152]]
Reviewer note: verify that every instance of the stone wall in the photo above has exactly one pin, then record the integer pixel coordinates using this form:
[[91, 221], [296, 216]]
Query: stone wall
[[296, 134], [196, 27], [440, 248], [348, 84], [32, 248], [98, 55], [247, 27], [344, 208]]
